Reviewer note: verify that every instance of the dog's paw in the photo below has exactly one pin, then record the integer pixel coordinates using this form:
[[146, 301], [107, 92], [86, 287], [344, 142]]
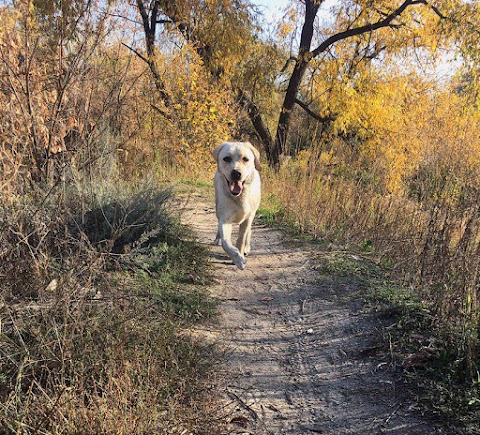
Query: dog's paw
[[216, 242], [239, 261], [246, 251]]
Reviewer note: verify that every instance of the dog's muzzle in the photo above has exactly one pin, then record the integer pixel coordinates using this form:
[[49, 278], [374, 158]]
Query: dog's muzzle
[[235, 186]]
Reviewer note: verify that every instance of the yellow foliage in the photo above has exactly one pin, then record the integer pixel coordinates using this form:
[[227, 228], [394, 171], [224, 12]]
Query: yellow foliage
[[204, 113], [395, 121]]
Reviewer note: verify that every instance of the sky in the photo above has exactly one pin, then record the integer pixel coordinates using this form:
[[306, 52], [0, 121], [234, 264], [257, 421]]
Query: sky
[[274, 9]]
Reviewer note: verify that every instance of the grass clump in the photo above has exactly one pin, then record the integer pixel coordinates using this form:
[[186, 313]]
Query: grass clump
[[118, 365], [99, 288], [415, 338]]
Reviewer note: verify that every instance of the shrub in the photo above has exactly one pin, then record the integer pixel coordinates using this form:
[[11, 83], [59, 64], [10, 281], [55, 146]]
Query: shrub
[[93, 312]]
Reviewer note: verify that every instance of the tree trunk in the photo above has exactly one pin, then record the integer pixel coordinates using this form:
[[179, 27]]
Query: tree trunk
[[283, 126], [302, 61], [149, 27]]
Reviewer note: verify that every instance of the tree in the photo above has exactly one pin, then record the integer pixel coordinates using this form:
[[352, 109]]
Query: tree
[[51, 74], [354, 19], [374, 27], [150, 20], [221, 32]]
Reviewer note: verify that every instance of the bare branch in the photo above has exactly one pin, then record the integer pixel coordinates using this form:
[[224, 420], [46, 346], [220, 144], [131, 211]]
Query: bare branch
[[432, 7], [314, 115], [255, 117], [162, 112], [386, 22], [287, 63], [124, 18], [140, 55]]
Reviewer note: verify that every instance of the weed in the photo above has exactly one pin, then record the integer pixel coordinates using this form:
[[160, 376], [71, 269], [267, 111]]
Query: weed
[[343, 265], [98, 290], [415, 338]]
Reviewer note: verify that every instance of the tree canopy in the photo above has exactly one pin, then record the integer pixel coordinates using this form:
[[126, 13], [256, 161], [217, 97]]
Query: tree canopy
[[283, 72]]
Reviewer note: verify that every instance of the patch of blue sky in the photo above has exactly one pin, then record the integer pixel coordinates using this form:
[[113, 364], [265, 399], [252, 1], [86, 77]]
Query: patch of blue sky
[[442, 71], [274, 10]]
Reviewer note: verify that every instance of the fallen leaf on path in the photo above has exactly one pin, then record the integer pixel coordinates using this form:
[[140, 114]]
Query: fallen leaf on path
[[266, 299], [254, 311], [240, 420]]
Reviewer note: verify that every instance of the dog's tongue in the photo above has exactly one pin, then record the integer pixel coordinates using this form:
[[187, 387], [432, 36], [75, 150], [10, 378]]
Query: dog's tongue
[[236, 187]]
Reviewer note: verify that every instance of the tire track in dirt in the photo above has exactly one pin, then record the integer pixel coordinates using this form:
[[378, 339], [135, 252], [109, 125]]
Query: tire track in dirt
[[301, 353]]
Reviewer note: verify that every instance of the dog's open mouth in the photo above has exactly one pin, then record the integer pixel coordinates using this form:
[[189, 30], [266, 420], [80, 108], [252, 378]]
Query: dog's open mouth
[[236, 187]]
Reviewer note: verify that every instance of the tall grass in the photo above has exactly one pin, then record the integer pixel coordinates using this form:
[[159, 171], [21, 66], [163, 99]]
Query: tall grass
[[98, 285], [432, 244], [98, 282]]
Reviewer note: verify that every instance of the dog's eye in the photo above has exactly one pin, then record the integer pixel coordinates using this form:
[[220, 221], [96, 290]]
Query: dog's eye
[[227, 159], [245, 159]]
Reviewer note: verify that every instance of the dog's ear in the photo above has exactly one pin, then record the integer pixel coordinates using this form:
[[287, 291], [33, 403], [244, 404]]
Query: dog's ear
[[256, 153], [217, 150]]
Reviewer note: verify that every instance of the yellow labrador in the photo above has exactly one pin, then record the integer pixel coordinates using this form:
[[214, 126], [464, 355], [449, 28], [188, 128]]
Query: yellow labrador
[[237, 196]]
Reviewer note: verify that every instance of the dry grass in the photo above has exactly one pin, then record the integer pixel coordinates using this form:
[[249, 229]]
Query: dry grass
[[98, 286], [117, 364], [98, 283], [339, 210], [432, 245]]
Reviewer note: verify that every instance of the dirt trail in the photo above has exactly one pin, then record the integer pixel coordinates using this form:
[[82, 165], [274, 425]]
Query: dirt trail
[[301, 352]]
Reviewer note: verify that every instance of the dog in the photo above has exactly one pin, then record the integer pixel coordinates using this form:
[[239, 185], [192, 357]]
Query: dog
[[237, 196]]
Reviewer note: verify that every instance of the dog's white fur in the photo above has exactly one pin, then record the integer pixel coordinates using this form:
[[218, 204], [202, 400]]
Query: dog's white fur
[[233, 207]]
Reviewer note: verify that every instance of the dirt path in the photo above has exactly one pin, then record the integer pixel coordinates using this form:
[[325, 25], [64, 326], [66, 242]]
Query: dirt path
[[302, 355]]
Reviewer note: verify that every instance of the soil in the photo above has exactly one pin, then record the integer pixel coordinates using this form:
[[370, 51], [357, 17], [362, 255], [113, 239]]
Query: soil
[[303, 354]]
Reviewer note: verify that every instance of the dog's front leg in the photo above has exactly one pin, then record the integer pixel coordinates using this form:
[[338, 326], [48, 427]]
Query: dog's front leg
[[247, 240], [225, 232], [243, 241]]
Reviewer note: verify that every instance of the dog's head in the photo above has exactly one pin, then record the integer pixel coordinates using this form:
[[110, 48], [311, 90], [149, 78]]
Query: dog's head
[[237, 162]]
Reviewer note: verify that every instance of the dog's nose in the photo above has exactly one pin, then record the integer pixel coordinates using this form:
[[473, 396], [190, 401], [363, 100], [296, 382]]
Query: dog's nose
[[235, 175]]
